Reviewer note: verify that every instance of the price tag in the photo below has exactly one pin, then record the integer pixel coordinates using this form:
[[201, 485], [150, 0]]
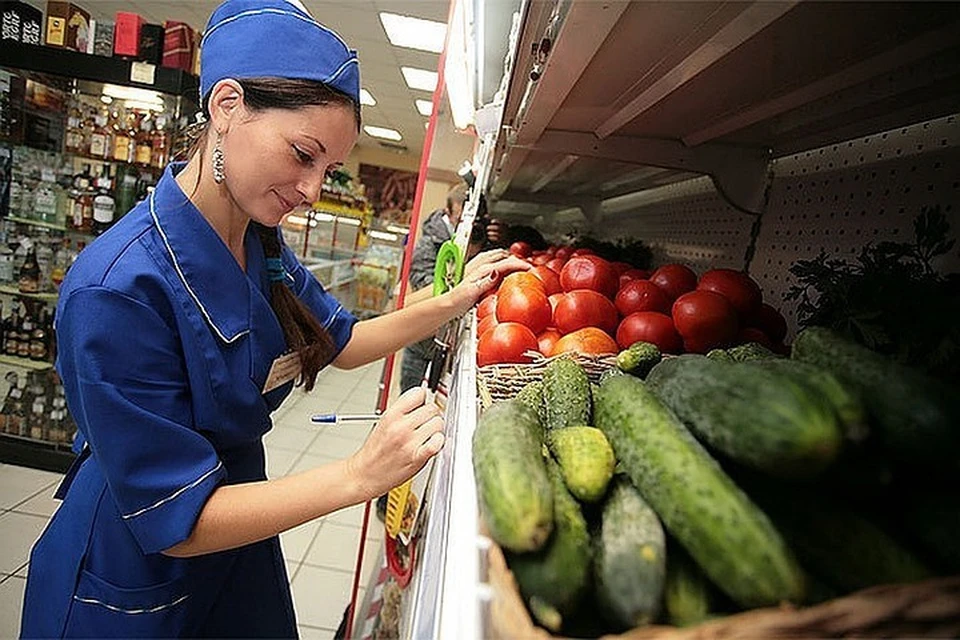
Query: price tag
[[143, 72]]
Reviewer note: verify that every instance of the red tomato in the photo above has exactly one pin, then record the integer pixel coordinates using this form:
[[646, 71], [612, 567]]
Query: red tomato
[[771, 322], [633, 274], [521, 280], [583, 252], [554, 299], [556, 264], [641, 295], [487, 306], [649, 326], [564, 253], [487, 323], [549, 278], [750, 334], [675, 279], [541, 259], [528, 306], [506, 342], [552, 251], [620, 268], [521, 249], [589, 272], [585, 308], [547, 341], [587, 340], [706, 320], [737, 287]]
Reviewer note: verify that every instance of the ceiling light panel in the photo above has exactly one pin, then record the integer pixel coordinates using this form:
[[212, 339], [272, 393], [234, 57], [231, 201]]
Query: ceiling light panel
[[419, 78], [414, 33], [367, 98], [425, 107], [382, 132]]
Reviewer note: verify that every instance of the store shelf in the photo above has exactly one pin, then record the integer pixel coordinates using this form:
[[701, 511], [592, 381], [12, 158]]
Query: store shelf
[[95, 68], [632, 96], [13, 291], [37, 223], [25, 363], [36, 454]]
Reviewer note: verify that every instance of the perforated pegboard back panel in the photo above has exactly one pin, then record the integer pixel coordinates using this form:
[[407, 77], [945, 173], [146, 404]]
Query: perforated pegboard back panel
[[687, 223], [839, 198], [835, 199]]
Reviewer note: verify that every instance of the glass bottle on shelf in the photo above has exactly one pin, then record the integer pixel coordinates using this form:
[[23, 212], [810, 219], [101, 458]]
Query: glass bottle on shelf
[[6, 264], [30, 273], [144, 145], [45, 262], [126, 188], [121, 137], [26, 330], [104, 204], [11, 334], [101, 139], [45, 198], [82, 208], [60, 263], [160, 143], [15, 417], [37, 419], [74, 135], [38, 338]]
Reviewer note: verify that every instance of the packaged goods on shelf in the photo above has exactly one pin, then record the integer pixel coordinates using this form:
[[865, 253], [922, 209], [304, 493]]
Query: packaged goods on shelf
[[67, 26], [21, 22]]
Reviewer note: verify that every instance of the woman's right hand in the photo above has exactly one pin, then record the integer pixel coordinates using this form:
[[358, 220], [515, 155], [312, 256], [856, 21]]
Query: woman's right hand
[[409, 433]]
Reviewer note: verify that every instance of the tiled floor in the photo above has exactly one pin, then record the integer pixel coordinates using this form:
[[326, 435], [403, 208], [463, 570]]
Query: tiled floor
[[320, 555]]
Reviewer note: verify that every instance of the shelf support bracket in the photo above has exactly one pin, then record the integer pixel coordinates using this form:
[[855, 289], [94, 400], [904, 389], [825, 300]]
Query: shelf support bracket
[[740, 174]]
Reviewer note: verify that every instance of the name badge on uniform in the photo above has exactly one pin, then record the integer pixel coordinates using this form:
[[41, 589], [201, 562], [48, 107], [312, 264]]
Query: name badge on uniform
[[283, 370]]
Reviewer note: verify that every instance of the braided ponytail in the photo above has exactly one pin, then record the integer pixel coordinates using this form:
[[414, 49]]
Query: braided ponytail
[[300, 328]]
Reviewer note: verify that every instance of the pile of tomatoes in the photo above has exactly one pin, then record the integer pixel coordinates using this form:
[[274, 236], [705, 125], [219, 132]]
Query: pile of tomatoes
[[573, 300]]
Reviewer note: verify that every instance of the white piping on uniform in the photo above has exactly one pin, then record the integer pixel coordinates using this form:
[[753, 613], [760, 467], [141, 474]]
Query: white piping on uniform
[[173, 495], [280, 12], [342, 68], [333, 317], [131, 611], [183, 278]]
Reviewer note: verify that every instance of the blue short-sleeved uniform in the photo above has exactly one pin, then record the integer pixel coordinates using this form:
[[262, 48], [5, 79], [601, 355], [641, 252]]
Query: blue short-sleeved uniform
[[164, 348]]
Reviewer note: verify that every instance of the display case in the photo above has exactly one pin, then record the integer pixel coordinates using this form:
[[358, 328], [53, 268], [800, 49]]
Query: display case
[[82, 139], [717, 134]]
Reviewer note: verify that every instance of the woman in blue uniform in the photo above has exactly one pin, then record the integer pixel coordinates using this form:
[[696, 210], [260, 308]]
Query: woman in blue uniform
[[182, 328]]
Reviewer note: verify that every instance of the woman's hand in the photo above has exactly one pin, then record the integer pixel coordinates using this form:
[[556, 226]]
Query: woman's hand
[[482, 274], [408, 434]]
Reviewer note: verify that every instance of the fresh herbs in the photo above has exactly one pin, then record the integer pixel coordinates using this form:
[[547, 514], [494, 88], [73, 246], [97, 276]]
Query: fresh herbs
[[892, 299]]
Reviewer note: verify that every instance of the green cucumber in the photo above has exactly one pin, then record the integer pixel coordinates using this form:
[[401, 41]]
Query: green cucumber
[[532, 396], [516, 500], [630, 562], [761, 418], [555, 579], [726, 534], [639, 358], [566, 395], [686, 596], [915, 416], [585, 458], [749, 352], [720, 355]]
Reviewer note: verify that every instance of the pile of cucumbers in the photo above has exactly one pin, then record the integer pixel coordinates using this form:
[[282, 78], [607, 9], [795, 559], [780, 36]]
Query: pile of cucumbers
[[691, 487]]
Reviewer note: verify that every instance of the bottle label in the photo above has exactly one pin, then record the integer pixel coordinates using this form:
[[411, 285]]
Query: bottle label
[[143, 154], [46, 202], [98, 145], [104, 209], [77, 214], [121, 148]]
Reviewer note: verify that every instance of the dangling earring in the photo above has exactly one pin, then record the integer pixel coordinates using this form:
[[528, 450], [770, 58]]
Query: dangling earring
[[218, 161]]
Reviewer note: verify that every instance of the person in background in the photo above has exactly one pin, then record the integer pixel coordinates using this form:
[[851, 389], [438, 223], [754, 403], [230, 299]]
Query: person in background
[[185, 325]]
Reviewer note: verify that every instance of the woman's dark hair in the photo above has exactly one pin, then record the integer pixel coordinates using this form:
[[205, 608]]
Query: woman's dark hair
[[303, 332]]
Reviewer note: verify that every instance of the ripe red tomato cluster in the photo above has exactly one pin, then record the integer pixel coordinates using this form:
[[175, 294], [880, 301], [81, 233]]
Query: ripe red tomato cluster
[[573, 300]]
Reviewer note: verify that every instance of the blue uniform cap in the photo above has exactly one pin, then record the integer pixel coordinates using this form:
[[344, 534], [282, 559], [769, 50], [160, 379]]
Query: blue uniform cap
[[274, 39]]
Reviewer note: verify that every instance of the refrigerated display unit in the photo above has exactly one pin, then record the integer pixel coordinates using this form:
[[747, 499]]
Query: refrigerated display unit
[[737, 135]]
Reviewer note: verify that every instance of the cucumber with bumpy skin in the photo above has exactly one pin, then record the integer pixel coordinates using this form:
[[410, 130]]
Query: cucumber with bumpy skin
[[639, 358], [566, 395], [532, 396], [585, 458], [554, 579], [686, 595], [749, 352], [630, 562], [730, 538], [516, 500]]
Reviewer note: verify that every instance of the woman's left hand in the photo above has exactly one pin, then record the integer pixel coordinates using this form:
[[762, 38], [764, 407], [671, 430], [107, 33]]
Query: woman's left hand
[[484, 273]]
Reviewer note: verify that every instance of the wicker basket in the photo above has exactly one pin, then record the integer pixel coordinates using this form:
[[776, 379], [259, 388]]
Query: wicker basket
[[929, 609], [498, 382]]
